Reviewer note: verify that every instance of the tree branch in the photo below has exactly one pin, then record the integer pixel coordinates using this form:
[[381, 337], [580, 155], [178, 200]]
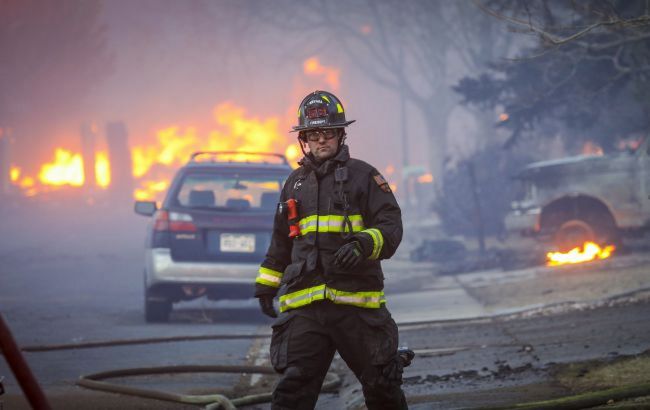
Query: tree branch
[[557, 41]]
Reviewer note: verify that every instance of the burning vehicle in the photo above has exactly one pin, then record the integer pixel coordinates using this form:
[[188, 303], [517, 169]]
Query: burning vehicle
[[589, 198], [212, 230]]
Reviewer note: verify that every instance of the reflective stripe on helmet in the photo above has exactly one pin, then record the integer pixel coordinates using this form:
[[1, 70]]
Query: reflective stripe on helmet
[[368, 299], [268, 277], [377, 242], [330, 223]]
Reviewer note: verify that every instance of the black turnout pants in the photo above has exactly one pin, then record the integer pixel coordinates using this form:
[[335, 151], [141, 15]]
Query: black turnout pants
[[304, 342]]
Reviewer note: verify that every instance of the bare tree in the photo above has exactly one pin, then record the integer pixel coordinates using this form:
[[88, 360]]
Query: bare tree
[[416, 48], [588, 73], [399, 45]]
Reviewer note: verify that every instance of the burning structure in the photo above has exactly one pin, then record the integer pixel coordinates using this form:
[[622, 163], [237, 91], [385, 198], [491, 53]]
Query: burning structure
[[143, 171], [124, 167]]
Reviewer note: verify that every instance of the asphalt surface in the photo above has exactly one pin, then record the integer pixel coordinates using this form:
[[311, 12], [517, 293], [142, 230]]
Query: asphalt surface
[[74, 276]]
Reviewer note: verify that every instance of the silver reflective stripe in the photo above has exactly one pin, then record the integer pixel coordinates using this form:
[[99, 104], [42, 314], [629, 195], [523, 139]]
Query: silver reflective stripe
[[302, 297], [308, 224], [330, 223], [377, 242], [357, 299], [269, 278], [368, 299]]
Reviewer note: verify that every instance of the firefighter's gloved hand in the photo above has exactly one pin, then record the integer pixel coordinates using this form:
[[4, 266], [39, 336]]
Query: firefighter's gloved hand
[[266, 304], [348, 256], [406, 355], [393, 371]]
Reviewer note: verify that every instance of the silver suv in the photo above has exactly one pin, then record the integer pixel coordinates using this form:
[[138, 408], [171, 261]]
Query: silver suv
[[212, 230]]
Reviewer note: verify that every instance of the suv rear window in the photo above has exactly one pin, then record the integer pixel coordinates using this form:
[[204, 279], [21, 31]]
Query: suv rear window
[[243, 192]]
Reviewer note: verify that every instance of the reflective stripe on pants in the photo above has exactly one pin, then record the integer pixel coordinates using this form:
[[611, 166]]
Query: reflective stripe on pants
[[368, 299]]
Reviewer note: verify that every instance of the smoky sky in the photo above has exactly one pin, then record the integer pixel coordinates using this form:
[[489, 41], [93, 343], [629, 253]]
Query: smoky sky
[[172, 62]]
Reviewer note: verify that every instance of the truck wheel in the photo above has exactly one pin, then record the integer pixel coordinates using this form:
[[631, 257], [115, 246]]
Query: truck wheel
[[572, 234], [156, 309]]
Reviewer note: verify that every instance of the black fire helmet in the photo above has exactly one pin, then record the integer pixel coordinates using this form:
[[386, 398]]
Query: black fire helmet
[[320, 110]]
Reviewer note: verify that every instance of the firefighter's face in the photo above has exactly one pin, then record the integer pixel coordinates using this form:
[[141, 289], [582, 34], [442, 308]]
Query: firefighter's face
[[323, 143]]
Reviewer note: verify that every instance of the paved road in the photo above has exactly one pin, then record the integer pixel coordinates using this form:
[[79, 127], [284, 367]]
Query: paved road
[[73, 277]]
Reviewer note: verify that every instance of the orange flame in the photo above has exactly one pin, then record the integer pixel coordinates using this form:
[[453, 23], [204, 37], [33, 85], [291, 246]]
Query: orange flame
[[312, 66], [67, 169], [102, 170], [588, 252], [425, 179], [236, 132], [14, 174], [150, 190], [590, 148]]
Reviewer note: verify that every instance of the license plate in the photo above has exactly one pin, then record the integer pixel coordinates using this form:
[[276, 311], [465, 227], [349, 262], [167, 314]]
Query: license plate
[[232, 242]]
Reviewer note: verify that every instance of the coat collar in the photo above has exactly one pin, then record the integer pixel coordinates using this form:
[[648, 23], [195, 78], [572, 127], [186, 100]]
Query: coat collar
[[324, 168]]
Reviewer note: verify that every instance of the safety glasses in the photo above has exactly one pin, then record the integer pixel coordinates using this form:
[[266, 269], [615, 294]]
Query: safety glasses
[[315, 135]]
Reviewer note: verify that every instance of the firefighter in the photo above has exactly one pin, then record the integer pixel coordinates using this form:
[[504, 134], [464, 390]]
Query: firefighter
[[336, 220]]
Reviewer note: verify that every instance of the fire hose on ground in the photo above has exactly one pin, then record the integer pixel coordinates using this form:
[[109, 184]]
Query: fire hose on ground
[[332, 380], [585, 400], [218, 401], [213, 401]]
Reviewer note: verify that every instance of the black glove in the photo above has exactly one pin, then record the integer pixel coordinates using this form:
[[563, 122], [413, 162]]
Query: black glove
[[406, 355], [393, 371], [348, 256], [266, 304]]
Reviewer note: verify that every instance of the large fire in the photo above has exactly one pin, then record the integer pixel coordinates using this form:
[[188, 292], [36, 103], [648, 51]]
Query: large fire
[[102, 170], [235, 131], [155, 162], [588, 252], [66, 169]]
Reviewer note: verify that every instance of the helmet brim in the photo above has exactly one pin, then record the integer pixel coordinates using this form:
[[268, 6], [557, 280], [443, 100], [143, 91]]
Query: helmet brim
[[299, 128]]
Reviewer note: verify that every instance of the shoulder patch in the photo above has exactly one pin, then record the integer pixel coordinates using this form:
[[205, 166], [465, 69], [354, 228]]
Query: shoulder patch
[[382, 183]]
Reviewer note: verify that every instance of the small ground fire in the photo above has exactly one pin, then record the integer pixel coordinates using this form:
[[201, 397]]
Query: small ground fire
[[588, 252]]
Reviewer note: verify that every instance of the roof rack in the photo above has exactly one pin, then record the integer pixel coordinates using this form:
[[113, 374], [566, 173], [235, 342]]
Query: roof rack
[[234, 156]]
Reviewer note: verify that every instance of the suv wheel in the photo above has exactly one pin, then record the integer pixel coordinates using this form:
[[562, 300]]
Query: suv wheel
[[573, 234], [597, 227]]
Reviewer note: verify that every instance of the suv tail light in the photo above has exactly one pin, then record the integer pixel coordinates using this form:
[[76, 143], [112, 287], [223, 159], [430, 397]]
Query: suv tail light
[[173, 221], [161, 221], [165, 222], [181, 222]]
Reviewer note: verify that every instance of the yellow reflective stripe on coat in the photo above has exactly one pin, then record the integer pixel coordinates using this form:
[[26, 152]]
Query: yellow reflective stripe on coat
[[377, 242], [368, 299], [330, 223], [268, 277], [302, 297]]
